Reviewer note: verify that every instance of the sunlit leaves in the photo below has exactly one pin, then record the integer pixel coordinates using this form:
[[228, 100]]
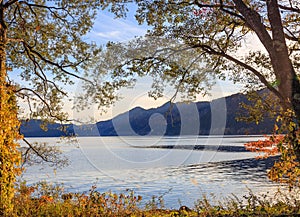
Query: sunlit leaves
[[214, 30], [46, 47], [53, 200], [42, 41], [219, 28], [284, 142], [166, 60], [287, 170], [267, 147], [10, 157], [261, 104]]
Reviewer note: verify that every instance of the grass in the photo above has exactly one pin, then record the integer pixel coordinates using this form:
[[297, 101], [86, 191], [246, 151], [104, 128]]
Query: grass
[[46, 200]]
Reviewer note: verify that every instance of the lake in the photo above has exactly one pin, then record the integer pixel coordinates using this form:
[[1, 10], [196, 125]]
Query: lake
[[181, 169]]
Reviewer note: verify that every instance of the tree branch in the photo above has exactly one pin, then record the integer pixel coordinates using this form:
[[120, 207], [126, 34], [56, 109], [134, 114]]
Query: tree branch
[[9, 3], [212, 51], [43, 101], [44, 77], [221, 6], [291, 37], [253, 20], [36, 151], [275, 21], [292, 9], [50, 8], [61, 67]]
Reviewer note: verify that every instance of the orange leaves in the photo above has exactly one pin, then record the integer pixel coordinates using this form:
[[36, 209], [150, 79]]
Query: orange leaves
[[38, 28], [10, 156], [46, 199], [287, 169], [267, 146]]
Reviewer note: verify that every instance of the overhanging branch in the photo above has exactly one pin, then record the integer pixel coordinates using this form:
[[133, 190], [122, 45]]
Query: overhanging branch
[[61, 67], [50, 113], [212, 51], [253, 20]]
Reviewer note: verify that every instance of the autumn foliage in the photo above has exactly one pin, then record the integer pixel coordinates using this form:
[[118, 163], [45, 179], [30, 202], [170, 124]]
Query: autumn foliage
[[287, 168], [10, 157], [49, 200], [267, 147]]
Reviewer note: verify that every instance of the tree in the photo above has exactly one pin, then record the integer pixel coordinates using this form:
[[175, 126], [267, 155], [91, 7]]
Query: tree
[[209, 36], [216, 29], [42, 49], [9, 155]]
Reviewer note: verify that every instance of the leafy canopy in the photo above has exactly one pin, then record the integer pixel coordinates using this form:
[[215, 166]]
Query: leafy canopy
[[192, 42], [47, 49], [215, 31]]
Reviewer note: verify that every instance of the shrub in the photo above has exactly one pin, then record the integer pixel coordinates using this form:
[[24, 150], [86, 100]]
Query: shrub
[[50, 200]]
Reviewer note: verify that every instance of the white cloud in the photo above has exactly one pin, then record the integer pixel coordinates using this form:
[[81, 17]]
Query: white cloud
[[106, 28], [112, 34]]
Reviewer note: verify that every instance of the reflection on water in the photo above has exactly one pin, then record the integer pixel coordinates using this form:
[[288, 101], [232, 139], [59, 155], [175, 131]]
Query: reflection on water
[[182, 174], [246, 169]]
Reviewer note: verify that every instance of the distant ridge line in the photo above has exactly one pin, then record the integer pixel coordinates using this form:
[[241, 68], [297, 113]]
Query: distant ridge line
[[139, 122]]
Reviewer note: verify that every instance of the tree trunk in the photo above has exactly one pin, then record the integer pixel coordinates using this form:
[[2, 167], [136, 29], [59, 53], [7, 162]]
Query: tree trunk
[[279, 54], [9, 131], [275, 44], [289, 86]]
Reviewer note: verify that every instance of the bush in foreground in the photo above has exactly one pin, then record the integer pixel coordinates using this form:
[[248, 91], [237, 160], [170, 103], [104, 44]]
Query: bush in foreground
[[50, 200]]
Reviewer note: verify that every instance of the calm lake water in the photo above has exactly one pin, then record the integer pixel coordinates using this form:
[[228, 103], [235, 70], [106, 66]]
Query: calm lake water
[[182, 169]]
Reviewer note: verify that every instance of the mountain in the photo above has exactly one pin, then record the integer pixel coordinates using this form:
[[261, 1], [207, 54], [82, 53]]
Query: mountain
[[32, 128], [200, 118], [182, 119]]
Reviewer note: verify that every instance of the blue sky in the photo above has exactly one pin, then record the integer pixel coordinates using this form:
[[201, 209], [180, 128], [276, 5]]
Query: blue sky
[[106, 28]]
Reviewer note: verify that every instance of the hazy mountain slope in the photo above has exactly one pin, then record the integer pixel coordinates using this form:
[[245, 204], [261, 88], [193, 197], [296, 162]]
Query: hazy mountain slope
[[180, 119]]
